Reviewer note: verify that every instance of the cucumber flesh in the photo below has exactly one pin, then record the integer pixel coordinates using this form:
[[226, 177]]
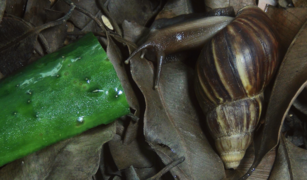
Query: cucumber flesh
[[57, 97]]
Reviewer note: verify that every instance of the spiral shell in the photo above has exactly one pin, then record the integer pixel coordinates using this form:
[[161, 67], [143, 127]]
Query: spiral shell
[[232, 71]]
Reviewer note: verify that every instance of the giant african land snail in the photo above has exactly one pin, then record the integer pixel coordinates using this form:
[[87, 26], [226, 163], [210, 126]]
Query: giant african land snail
[[232, 72], [181, 36]]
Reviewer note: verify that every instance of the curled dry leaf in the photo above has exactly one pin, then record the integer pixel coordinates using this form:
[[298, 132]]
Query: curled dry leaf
[[291, 162], [75, 158], [116, 59], [171, 122], [287, 22], [290, 81]]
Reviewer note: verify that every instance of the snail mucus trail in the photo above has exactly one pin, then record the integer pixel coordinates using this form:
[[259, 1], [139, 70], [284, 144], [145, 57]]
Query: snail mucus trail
[[232, 71], [180, 37]]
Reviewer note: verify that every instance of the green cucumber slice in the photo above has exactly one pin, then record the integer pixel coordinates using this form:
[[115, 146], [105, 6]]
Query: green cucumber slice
[[57, 97]]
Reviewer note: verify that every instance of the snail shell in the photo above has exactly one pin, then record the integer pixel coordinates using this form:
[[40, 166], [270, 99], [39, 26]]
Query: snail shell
[[232, 71]]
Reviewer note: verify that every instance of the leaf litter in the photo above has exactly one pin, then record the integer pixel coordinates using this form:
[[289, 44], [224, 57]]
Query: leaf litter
[[168, 120]]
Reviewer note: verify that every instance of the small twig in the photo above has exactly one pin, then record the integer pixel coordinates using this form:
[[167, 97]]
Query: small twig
[[40, 36], [84, 11], [121, 39], [88, 23], [167, 168]]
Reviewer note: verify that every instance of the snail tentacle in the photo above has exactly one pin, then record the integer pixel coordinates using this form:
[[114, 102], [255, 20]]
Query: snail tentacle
[[143, 47]]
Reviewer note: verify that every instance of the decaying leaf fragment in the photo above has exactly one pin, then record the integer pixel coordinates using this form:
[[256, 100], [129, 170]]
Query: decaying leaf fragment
[[291, 162], [75, 158]]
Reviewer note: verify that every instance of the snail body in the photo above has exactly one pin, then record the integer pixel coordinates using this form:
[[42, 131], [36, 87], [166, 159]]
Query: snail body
[[180, 37], [232, 71]]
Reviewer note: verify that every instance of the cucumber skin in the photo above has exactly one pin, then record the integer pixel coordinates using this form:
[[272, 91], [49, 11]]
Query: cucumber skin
[[57, 97]]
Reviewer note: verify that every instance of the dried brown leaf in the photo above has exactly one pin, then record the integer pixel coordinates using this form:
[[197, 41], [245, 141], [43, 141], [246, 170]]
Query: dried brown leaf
[[15, 7], [74, 158], [175, 8], [136, 154], [290, 81], [140, 11], [291, 162], [171, 122], [287, 22], [116, 59], [17, 36], [10, 29], [131, 174], [55, 37], [133, 31], [35, 11]]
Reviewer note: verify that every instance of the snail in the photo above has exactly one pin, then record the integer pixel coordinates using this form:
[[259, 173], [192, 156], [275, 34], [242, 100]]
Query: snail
[[179, 37], [232, 71]]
